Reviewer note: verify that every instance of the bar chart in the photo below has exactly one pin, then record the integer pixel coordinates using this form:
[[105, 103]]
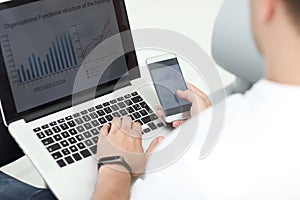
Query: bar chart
[[60, 56]]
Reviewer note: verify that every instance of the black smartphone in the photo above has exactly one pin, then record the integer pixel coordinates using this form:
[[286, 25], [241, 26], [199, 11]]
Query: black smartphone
[[168, 78]]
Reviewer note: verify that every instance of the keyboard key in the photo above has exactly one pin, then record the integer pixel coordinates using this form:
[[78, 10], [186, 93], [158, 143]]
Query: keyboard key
[[99, 107], [147, 130], [85, 153], [69, 118], [71, 123], [106, 104], [93, 115], [134, 94], [146, 120], [79, 137], [128, 102], [87, 134], [84, 112], [48, 132], [143, 112], [79, 121], [88, 126], [136, 115], [56, 129], [73, 149], [37, 129], [65, 134], [61, 163], [88, 142], [80, 129], [95, 131], [152, 126], [77, 157], [160, 124], [53, 124], [95, 123], [86, 118], [47, 141], [69, 160], [54, 147], [45, 126], [108, 110], [80, 145], [130, 110], [64, 126], [102, 120], [100, 113], [116, 114], [64, 143], [41, 135], [76, 115], [153, 117], [73, 131], [109, 118], [72, 140], [56, 155], [57, 137], [137, 99], [113, 101], [61, 121], [146, 107], [114, 107], [127, 96], [93, 149], [95, 140], [65, 152], [123, 113], [121, 105], [91, 109], [137, 107], [120, 99]]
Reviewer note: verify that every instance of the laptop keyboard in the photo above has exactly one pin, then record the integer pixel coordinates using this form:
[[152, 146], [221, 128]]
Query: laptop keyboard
[[75, 137]]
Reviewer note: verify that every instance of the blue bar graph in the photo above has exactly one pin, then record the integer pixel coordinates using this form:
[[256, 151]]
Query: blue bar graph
[[60, 56]]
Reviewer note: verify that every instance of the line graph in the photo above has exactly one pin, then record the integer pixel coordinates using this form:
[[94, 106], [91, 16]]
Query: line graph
[[89, 34]]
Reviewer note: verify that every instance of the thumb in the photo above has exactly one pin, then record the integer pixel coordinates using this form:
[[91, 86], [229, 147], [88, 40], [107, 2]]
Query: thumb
[[153, 144], [187, 95]]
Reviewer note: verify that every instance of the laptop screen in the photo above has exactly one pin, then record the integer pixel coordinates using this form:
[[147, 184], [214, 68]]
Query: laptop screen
[[45, 43]]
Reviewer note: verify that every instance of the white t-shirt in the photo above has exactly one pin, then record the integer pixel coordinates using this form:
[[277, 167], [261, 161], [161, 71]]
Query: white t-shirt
[[256, 157]]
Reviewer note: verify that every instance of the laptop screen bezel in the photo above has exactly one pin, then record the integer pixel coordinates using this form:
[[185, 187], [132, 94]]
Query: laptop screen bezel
[[6, 96]]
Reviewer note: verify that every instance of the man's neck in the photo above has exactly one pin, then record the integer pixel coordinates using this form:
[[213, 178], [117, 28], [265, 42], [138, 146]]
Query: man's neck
[[283, 60]]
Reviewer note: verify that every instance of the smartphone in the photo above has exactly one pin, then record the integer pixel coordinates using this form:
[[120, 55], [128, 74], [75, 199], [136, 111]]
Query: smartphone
[[167, 78]]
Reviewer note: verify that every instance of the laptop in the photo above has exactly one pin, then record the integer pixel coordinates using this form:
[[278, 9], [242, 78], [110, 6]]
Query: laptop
[[49, 64]]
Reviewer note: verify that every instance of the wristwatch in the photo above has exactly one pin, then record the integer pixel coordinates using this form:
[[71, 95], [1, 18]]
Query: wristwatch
[[119, 160]]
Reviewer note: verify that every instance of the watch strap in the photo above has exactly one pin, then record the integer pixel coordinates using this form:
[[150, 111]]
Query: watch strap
[[118, 160]]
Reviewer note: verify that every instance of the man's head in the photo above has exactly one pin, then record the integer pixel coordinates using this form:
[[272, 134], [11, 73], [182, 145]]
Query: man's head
[[272, 18], [276, 27]]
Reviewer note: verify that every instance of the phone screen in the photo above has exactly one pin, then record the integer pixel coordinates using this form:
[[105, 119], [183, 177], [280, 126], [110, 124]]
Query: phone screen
[[168, 78]]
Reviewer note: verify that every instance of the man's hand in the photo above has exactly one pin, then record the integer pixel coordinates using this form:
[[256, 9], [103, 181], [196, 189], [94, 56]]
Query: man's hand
[[198, 99], [124, 138]]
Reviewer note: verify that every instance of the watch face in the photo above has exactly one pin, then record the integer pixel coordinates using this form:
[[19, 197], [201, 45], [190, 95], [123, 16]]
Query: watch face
[[112, 158]]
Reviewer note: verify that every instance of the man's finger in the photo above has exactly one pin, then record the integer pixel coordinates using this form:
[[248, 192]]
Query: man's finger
[[137, 130], [115, 124], [196, 90], [160, 113], [177, 123], [105, 129], [188, 95], [126, 124], [153, 144]]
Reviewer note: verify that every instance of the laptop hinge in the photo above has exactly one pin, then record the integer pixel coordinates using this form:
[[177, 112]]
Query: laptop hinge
[[80, 98]]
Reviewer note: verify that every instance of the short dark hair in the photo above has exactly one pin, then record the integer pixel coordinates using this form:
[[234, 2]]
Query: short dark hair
[[293, 7]]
